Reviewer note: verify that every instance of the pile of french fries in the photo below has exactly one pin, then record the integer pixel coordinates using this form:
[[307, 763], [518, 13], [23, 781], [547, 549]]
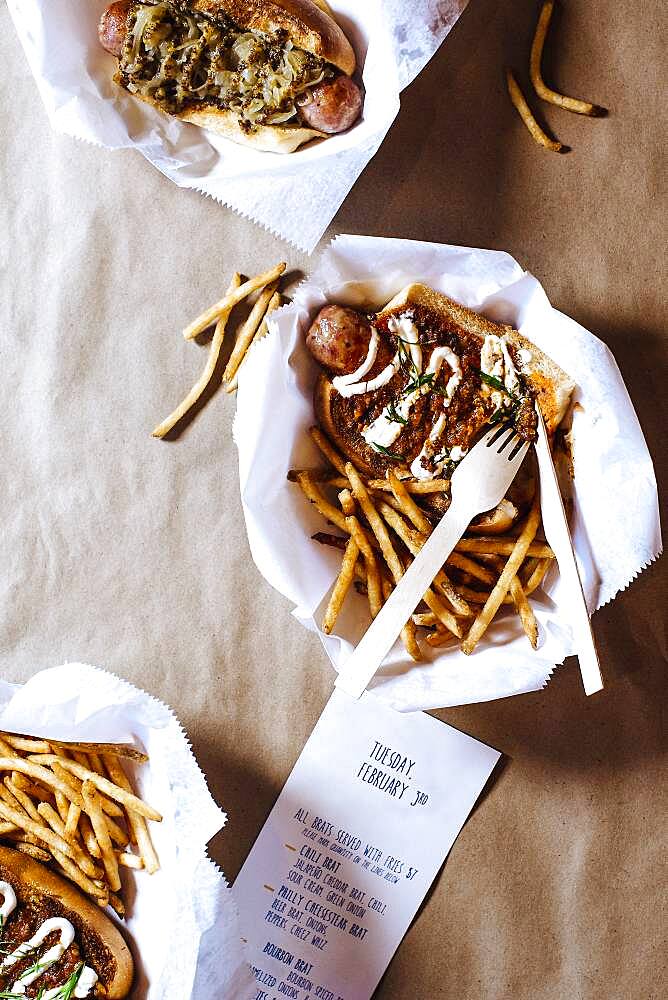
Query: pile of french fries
[[254, 327], [542, 90], [382, 528], [71, 805]]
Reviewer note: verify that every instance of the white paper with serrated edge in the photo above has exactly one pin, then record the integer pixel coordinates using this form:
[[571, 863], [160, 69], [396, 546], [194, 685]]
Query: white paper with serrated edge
[[294, 196], [613, 469], [182, 923]]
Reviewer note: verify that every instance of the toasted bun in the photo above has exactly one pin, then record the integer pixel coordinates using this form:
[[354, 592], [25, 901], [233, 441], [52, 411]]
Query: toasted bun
[[268, 138], [552, 386], [308, 25], [100, 943]]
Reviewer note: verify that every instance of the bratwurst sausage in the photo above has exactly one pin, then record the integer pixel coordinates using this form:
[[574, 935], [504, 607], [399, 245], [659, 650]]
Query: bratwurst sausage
[[333, 106], [112, 27], [339, 339]]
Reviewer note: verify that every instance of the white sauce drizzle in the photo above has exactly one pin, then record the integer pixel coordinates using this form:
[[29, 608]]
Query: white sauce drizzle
[[384, 431], [408, 333], [495, 360], [88, 976], [342, 381], [8, 900]]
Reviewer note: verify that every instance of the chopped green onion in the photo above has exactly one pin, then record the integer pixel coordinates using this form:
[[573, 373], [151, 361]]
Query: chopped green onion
[[393, 416], [386, 451], [495, 383]]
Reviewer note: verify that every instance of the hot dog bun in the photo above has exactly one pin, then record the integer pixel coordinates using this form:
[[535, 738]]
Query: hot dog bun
[[551, 385], [310, 27], [100, 943]]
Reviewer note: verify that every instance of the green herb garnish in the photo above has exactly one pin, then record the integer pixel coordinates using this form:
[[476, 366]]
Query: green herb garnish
[[393, 416], [418, 383], [386, 451], [65, 992], [496, 383]]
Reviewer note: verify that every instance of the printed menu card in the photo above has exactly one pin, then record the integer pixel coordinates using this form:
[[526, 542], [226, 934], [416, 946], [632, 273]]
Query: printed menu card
[[358, 834]]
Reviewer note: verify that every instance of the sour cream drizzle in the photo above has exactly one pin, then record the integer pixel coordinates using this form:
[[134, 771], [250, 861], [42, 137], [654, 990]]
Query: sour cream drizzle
[[495, 360], [384, 431], [88, 976], [342, 382]]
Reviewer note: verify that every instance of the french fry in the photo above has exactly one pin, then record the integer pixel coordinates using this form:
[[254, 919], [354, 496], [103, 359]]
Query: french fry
[[524, 610], [76, 875], [539, 85], [47, 835], [524, 111], [422, 523], [410, 641], [34, 790], [98, 821], [470, 566], [6, 828], [126, 750], [38, 853], [246, 336], [407, 635], [74, 784], [341, 587], [537, 575], [130, 801], [274, 303], [27, 743], [88, 836], [117, 904], [23, 799], [409, 507], [322, 442], [435, 639], [515, 560], [231, 299], [347, 502], [128, 860], [203, 381], [323, 506], [62, 805], [72, 821], [373, 579], [414, 487], [425, 619], [6, 750], [375, 522], [39, 773], [136, 822], [496, 545], [414, 543]]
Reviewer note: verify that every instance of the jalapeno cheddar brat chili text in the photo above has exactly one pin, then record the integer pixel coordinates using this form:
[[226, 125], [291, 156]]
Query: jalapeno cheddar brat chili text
[[272, 74]]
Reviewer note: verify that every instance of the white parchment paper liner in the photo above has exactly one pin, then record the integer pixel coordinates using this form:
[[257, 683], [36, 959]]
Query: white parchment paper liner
[[294, 196], [182, 921], [615, 521]]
